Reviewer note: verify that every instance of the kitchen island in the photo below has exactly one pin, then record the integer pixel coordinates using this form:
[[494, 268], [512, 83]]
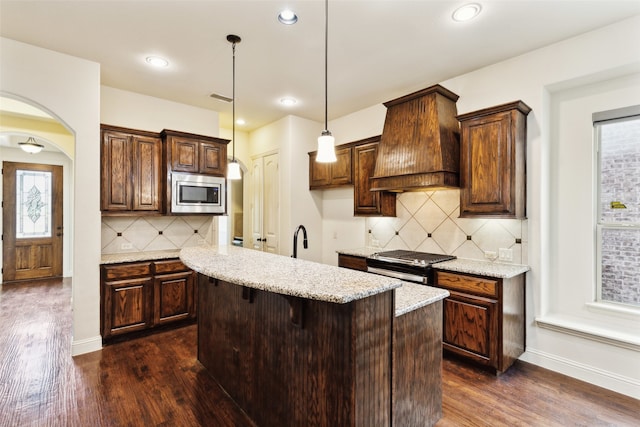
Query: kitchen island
[[299, 343]]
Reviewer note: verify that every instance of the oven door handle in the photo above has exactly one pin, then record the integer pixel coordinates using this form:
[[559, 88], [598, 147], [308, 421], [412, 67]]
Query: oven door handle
[[398, 275]]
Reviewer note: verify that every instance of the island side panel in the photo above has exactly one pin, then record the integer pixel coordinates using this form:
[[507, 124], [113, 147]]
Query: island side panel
[[417, 367], [298, 362]]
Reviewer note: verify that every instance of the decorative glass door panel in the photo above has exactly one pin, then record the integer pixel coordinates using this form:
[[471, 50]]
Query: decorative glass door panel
[[33, 204]]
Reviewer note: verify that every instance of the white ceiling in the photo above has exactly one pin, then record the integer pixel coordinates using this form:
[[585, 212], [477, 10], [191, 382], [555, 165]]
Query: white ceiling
[[378, 49]]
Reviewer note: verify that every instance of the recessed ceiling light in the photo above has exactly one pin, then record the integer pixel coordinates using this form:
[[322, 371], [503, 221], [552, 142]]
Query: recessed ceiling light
[[466, 12], [287, 101], [157, 61], [287, 17], [240, 122]]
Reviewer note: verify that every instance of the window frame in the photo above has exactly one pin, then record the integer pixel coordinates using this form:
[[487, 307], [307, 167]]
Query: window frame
[[598, 119]]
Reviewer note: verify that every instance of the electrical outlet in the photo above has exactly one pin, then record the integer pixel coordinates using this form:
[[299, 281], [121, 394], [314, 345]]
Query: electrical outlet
[[506, 254], [492, 255], [335, 235], [126, 245]]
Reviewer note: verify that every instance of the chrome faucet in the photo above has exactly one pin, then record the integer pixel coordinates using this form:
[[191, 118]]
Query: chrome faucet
[[295, 240]]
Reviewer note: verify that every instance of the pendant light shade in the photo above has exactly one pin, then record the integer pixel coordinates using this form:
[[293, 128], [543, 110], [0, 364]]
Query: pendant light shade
[[326, 148], [326, 142], [31, 146], [233, 168]]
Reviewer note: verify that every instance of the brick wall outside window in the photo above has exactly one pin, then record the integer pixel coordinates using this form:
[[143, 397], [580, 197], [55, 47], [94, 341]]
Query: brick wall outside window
[[620, 205]]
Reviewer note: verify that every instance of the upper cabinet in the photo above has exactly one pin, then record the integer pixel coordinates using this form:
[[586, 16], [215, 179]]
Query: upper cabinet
[[355, 165], [365, 201], [195, 153], [131, 171], [492, 161], [329, 175]]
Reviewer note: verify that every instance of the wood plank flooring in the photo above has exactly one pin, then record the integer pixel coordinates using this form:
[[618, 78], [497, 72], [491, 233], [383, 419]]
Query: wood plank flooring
[[157, 381]]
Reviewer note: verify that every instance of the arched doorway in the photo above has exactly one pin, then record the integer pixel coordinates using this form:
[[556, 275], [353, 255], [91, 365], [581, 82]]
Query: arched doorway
[[20, 120]]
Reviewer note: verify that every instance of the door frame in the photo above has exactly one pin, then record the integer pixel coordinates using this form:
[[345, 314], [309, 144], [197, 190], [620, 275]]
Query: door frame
[[57, 225]]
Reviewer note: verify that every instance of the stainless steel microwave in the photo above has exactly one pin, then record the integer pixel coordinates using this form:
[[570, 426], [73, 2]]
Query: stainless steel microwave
[[192, 193]]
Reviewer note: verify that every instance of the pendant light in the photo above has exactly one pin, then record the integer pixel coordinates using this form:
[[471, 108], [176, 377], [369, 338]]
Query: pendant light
[[31, 146], [326, 142], [233, 168]]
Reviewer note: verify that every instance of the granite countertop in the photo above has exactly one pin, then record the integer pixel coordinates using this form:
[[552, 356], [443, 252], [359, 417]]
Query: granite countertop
[[139, 256], [412, 296], [460, 265], [285, 275], [482, 268]]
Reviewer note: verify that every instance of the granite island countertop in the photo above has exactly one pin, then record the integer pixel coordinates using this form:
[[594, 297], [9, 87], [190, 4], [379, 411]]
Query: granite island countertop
[[412, 296], [284, 275]]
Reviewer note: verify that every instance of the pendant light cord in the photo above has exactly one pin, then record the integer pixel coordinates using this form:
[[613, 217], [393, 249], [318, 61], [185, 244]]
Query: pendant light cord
[[326, 54], [233, 105]]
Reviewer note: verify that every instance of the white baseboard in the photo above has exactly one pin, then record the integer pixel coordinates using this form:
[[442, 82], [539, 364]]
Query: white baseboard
[[88, 345], [605, 379]]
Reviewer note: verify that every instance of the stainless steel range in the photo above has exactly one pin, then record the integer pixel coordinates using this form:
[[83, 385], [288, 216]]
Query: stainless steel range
[[406, 265]]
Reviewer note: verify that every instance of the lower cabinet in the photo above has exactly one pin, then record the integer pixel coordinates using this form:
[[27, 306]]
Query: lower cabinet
[[143, 295], [483, 318]]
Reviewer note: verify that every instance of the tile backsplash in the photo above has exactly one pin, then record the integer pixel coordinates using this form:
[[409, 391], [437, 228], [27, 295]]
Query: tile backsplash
[[155, 233], [428, 222]]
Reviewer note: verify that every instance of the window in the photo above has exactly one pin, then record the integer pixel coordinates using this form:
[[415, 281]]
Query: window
[[618, 227]]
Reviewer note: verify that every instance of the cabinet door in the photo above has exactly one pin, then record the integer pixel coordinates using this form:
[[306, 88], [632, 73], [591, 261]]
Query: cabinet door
[[173, 297], [127, 306], [493, 161], [487, 165], [185, 154], [147, 179], [115, 194], [470, 327], [365, 201], [327, 175], [319, 173], [213, 158]]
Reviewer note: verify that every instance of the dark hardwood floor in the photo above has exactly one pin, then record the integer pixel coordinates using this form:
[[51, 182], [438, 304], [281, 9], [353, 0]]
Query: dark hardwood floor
[[157, 381]]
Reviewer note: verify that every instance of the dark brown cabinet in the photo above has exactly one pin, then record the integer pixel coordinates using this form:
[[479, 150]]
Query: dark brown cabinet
[[126, 298], [142, 295], [365, 201], [355, 166], [329, 175], [352, 262], [173, 297], [131, 171], [492, 160], [195, 153], [483, 318]]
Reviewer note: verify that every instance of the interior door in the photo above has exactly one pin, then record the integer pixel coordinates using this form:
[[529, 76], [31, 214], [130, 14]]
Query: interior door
[[271, 204], [265, 208], [31, 221]]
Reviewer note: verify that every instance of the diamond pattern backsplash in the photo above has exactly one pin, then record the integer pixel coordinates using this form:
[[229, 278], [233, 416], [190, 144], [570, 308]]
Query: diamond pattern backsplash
[[140, 234], [428, 222]]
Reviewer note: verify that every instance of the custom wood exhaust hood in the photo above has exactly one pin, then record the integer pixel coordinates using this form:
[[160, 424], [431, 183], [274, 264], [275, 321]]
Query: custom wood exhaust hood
[[420, 144]]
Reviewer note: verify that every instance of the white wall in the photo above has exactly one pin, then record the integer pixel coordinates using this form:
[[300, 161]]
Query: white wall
[[597, 56], [136, 111], [71, 92]]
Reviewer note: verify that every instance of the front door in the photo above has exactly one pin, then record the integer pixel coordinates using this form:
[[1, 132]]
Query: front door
[[31, 221]]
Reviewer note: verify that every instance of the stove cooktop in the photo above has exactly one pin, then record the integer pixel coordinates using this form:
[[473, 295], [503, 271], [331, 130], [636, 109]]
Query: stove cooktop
[[411, 257]]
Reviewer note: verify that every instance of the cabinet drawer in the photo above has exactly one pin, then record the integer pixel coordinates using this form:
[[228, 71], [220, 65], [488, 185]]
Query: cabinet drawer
[[474, 285], [123, 271], [170, 266], [352, 262]]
